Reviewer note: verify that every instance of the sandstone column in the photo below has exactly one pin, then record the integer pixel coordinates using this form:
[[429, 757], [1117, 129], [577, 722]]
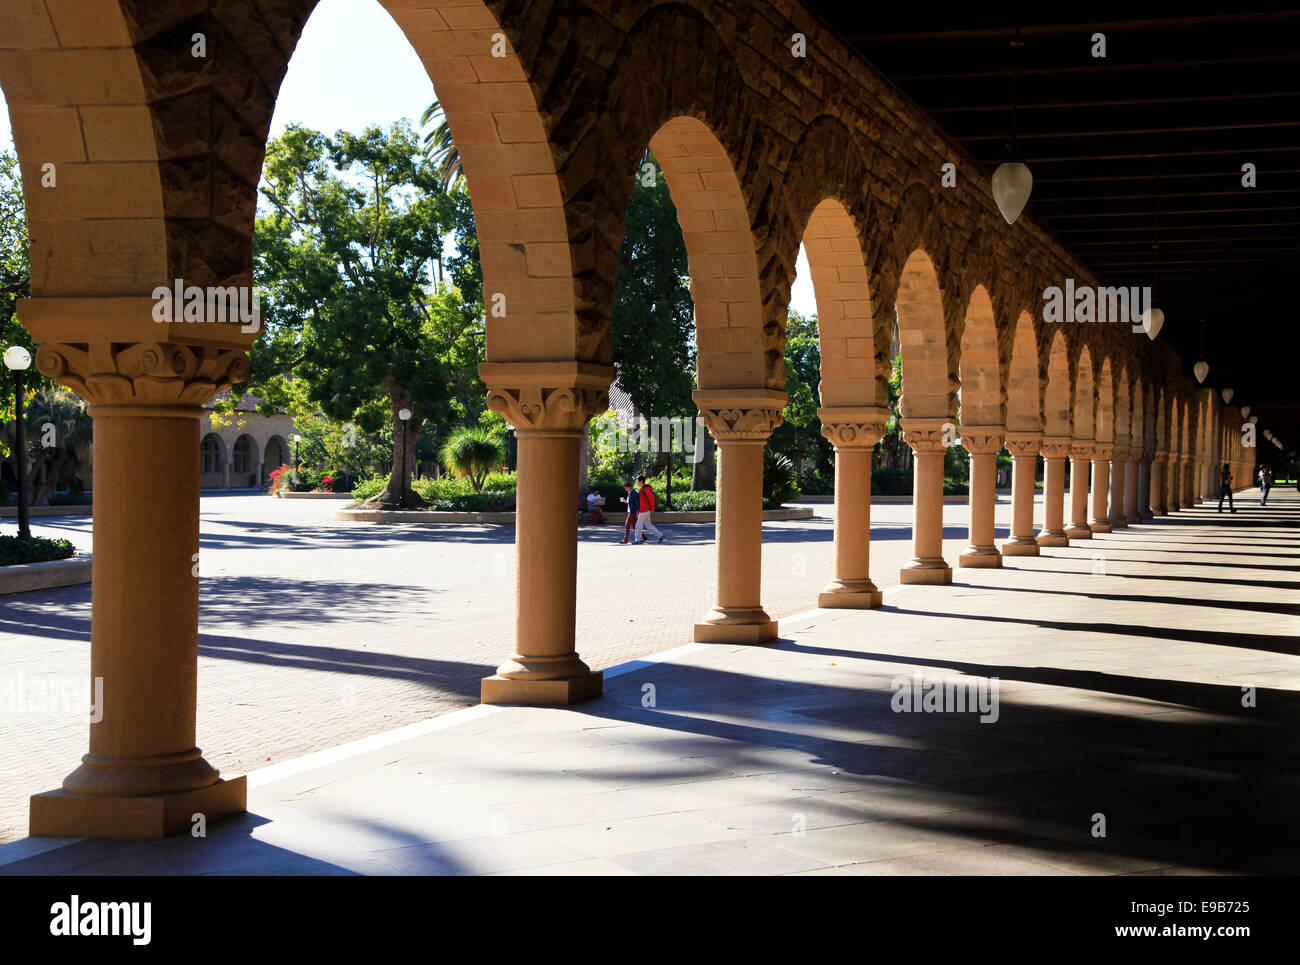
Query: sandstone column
[[983, 443], [548, 404], [1188, 479], [144, 776], [1172, 488], [1023, 447], [1080, 463], [927, 437], [1131, 514], [740, 420], [854, 433], [1144, 486], [1055, 451], [1158, 507], [1118, 460], [1101, 454]]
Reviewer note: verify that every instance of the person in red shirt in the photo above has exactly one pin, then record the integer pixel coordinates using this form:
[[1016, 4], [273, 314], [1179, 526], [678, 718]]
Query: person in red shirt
[[647, 506]]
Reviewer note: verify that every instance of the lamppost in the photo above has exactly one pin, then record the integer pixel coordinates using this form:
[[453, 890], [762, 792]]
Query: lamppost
[[404, 415], [17, 359]]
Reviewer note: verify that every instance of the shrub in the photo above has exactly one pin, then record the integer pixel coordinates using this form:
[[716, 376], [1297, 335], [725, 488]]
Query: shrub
[[369, 487], [70, 499], [703, 500], [280, 479], [953, 487], [780, 481], [473, 452], [488, 501], [38, 549], [891, 482]]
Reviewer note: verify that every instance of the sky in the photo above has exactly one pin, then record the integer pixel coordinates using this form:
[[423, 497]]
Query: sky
[[353, 67]]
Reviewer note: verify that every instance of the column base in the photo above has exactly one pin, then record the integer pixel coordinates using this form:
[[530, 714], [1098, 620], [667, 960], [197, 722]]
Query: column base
[[1078, 531], [1159, 511], [1146, 514], [928, 572], [980, 557], [1117, 522], [541, 693], [850, 595], [1099, 525], [735, 632], [58, 814], [1024, 546], [1134, 519], [1057, 538]]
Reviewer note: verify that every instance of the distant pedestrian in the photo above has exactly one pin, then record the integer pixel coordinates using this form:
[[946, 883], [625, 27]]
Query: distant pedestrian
[[1264, 480], [631, 499], [646, 506], [1225, 488]]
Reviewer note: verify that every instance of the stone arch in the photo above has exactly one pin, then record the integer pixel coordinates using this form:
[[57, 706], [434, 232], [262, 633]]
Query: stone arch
[[1058, 390], [698, 120], [78, 101], [1085, 403], [849, 375], [927, 389], [1123, 400], [733, 347], [244, 462], [275, 453], [915, 229], [980, 371], [1024, 394]]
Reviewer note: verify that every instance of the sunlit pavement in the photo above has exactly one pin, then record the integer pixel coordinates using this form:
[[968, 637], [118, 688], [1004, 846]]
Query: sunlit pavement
[[1122, 666]]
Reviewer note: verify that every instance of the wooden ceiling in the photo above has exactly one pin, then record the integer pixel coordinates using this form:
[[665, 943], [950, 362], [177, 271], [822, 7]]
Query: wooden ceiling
[[1146, 143]]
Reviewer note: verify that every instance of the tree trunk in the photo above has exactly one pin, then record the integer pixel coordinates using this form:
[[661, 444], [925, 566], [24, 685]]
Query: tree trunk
[[704, 472], [391, 495]]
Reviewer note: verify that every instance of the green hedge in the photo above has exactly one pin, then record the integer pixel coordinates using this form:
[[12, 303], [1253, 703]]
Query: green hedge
[[38, 549]]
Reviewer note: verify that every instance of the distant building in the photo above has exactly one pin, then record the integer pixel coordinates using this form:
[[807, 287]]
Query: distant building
[[243, 453]]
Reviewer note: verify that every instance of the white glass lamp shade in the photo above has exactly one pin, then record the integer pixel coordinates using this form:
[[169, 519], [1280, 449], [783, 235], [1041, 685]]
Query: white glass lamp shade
[[1152, 321], [1012, 183], [1245, 411], [17, 358], [1201, 369], [1253, 419], [404, 414], [1227, 396]]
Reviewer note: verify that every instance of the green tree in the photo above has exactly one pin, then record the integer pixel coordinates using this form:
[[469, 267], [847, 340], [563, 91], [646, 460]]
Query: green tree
[[439, 147], [800, 434], [15, 279], [351, 225], [474, 452]]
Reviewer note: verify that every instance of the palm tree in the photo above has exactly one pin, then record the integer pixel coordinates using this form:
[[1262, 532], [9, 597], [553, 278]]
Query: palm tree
[[473, 452], [439, 147]]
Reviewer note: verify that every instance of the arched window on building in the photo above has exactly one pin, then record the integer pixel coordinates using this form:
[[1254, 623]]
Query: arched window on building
[[211, 450], [242, 461]]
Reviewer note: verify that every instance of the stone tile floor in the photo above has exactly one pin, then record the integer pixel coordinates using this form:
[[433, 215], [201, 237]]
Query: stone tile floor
[[1121, 663]]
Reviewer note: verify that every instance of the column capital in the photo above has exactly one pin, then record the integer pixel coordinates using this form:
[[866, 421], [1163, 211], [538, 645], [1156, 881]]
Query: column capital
[[1056, 447], [982, 440], [1022, 444], [1082, 448], [853, 426], [1119, 453], [740, 415], [547, 396], [929, 435], [1102, 451], [143, 378]]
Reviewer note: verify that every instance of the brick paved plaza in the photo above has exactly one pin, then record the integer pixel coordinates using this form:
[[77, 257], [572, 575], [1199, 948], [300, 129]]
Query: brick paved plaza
[[316, 632], [1120, 693]]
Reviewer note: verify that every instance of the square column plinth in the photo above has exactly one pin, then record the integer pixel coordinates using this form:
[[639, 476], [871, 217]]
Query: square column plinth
[[541, 693], [58, 814]]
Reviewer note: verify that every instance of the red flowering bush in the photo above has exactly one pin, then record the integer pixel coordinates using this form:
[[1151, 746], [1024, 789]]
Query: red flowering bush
[[280, 479]]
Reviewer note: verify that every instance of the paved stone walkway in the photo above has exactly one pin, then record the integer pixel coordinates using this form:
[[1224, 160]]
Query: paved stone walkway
[[1122, 665], [316, 632]]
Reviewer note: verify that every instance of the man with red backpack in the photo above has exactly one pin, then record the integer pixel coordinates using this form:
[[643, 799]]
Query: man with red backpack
[[647, 506]]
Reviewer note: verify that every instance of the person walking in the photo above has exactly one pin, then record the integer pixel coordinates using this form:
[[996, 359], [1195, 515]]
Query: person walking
[[632, 501], [1264, 482], [1225, 488], [646, 506]]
